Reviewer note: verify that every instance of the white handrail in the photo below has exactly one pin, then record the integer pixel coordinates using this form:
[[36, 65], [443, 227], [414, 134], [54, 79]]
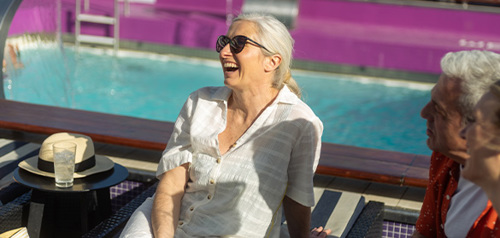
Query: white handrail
[[229, 12], [126, 7], [115, 21], [116, 32], [77, 24], [58, 22]]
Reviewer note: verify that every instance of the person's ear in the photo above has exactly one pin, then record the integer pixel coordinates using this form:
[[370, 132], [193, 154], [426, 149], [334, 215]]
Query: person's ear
[[272, 62]]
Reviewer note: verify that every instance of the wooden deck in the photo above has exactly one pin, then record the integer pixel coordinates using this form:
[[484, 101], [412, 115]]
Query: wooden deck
[[102, 127], [336, 160]]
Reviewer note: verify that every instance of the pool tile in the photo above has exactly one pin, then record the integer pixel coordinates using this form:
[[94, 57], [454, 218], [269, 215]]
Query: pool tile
[[394, 229]]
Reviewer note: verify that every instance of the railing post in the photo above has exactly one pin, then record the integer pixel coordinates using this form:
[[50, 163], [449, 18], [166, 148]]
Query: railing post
[[126, 8], [77, 24], [7, 10], [58, 22], [229, 12], [116, 27]]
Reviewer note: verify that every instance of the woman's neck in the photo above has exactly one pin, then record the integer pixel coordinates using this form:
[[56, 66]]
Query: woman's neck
[[493, 193], [491, 184], [250, 103]]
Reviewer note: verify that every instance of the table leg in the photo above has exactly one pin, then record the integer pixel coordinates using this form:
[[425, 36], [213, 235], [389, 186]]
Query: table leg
[[67, 214], [35, 219]]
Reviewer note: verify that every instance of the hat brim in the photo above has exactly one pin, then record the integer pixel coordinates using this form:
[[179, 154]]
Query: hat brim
[[102, 164]]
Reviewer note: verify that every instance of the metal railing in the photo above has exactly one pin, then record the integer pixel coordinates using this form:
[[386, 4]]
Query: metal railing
[[7, 10], [101, 19]]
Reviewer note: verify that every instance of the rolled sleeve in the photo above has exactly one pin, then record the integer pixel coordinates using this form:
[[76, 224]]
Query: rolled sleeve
[[179, 149], [303, 162]]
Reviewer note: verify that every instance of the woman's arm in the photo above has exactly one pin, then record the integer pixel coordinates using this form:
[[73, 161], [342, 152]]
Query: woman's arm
[[298, 218], [167, 201]]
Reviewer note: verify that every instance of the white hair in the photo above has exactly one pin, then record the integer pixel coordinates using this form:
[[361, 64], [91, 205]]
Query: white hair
[[274, 35], [477, 71]]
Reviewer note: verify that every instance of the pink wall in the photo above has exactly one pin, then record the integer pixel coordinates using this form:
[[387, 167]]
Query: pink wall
[[365, 34], [390, 36]]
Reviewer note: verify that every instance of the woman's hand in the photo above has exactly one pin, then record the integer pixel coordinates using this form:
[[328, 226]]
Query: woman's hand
[[320, 232]]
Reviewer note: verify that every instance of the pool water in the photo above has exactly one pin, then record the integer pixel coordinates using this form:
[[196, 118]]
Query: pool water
[[355, 111]]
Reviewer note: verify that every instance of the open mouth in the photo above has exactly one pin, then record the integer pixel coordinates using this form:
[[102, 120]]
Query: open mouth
[[230, 67]]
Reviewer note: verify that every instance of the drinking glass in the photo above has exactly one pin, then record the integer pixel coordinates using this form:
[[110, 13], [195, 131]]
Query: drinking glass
[[64, 163]]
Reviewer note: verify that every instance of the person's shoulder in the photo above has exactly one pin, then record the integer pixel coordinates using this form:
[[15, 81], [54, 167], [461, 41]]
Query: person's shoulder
[[301, 113], [301, 109], [301, 105]]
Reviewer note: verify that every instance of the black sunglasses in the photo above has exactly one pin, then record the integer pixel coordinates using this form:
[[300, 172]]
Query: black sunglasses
[[236, 44]]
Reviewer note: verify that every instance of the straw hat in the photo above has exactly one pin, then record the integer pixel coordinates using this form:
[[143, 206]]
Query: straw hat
[[86, 162]]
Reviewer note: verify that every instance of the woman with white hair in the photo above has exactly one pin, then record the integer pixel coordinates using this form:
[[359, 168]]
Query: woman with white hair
[[239, 153], [483, 144]]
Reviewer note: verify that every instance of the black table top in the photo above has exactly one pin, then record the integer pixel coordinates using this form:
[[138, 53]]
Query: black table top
[[93, 182]]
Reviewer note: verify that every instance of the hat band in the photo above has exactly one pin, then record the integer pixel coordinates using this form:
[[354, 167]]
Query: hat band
[[48, 166]]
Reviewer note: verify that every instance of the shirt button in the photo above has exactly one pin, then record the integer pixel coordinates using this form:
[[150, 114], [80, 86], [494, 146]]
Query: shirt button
[[181, 223], [447, 197], [212, 181], [191, 208], [209, 197], [218, 160]]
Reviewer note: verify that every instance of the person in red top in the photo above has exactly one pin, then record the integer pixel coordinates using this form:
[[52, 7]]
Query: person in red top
[[454, 206], [483, 143]]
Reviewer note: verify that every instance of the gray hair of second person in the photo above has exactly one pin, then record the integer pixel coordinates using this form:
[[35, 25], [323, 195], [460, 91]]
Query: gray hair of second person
[[274, 35], [477, 70], [495, 90]]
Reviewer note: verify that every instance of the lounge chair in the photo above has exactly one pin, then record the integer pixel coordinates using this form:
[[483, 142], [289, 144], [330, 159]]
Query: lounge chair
[[343, 212]]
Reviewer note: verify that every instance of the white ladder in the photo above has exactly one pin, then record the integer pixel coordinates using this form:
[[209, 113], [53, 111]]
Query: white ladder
[[103, 40]]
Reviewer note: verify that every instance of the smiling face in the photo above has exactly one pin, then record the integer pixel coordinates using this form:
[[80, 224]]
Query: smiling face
[[483, 141], [444, 120], [247, 68]]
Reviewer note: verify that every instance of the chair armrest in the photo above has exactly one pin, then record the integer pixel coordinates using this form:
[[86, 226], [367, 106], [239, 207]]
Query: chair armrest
[[337, 211], [370, 221], [11, 214], [117, 221]]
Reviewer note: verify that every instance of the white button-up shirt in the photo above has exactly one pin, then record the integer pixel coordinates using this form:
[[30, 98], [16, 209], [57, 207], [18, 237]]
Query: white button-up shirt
[[240, 193]]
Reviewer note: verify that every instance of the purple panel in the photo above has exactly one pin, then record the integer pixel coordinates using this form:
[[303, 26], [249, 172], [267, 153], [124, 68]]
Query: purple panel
[[389, 36], [200, 31], [332, 31], [399, 16], [217, 7], [148, 30], [33, 19]]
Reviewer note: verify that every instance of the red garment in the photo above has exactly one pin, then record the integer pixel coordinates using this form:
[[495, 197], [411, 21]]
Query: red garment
[[487, 225], [443, 181]]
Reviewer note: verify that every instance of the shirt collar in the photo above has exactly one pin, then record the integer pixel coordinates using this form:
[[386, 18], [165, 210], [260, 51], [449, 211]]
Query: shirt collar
[[284, 95], [222, 94]]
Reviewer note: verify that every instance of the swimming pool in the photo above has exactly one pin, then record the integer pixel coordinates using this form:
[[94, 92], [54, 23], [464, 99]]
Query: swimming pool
[[355, 111]]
